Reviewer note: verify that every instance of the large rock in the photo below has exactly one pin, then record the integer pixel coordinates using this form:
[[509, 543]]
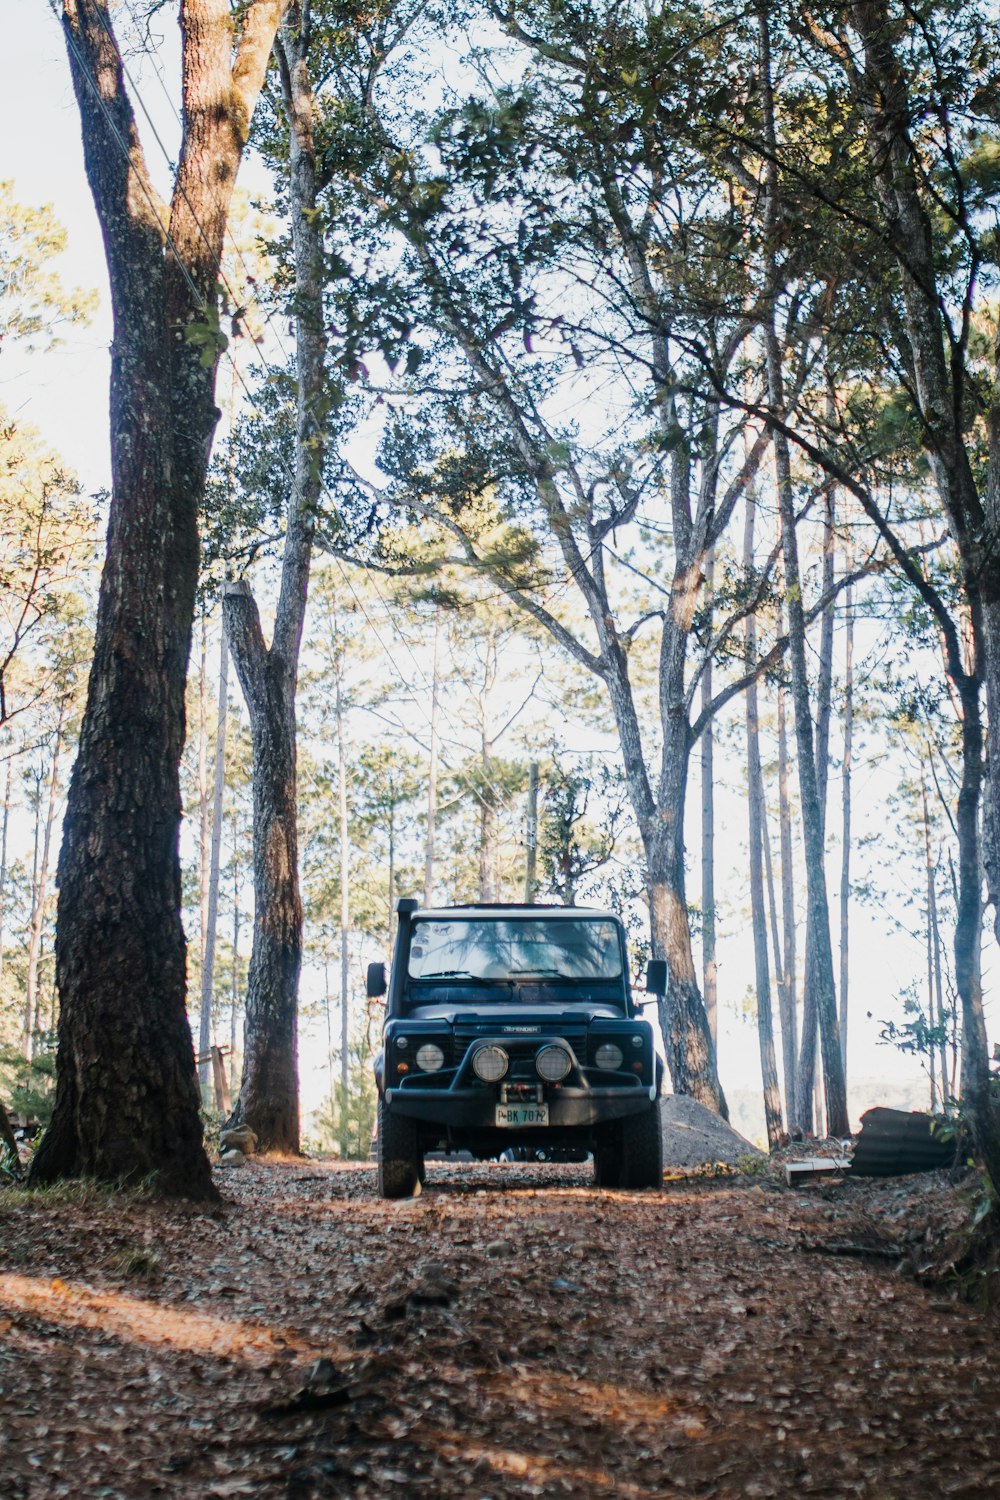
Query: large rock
[[694, 1135], [239, 1138]]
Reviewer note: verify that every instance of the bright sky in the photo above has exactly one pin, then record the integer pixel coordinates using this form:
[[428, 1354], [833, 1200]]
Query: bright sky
[[64, 394]]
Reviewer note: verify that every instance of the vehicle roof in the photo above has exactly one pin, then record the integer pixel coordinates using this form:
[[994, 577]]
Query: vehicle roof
[[514, 909]]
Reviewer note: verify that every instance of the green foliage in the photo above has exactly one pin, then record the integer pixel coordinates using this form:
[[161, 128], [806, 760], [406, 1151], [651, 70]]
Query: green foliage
[[34, 303], [348, 1119], [29, 1084]]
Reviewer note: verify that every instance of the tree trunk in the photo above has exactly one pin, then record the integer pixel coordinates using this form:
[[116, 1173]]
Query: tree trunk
[[758, 914], [786, 1015], [845, 824], [686, 1036], [819, 954], [269, 1094], [968, 927], [795, 1107], [345, 873], [3, 859], [215, 856], [432, 774], [938, 1015], [708, 948], [204, 848], [40, 888], [127, 1101]]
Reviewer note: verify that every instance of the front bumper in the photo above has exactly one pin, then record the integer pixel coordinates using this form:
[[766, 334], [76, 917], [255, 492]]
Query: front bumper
[[570, 1108]]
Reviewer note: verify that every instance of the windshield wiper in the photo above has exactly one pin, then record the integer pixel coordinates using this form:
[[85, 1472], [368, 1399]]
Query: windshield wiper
[[447, 974], [546, 973]]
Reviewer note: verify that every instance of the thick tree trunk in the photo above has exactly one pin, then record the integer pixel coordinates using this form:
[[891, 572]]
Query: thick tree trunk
[[758, 913], [709, 962], [269, 1096], [126, 1096]]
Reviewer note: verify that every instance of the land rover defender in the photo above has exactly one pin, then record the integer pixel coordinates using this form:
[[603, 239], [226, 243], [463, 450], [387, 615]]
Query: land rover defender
[[515, 1025]]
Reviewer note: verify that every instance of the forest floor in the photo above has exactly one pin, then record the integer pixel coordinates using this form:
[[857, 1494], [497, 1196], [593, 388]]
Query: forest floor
[[512, 1332]]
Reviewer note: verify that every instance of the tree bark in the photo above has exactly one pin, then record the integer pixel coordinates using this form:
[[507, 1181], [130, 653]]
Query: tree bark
[[758, 913], [126, 1095], [269, 1095]]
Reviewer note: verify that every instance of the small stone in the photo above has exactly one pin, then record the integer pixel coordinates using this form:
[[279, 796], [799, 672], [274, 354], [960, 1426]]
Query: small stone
[[497, 1249], [560, 1284], [232, 1158]]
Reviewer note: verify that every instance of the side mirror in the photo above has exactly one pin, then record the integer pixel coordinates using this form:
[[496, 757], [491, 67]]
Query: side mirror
[[656, 976], [375, 984]]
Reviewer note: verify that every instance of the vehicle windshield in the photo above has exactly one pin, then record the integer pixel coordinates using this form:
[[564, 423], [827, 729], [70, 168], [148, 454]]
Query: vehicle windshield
[[531, 948]]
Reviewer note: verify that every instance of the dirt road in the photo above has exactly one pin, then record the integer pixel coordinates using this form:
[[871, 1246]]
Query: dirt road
[[513, 1332]]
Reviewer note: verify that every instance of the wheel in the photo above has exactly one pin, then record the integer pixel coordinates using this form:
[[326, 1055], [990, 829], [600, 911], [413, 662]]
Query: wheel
[[608, 1158], [400, 1160], [642, 1149]]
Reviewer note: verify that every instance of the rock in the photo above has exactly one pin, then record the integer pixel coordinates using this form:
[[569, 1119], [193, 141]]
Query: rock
[[694, 1135], [497, 1249], [240, 1138], [232, 1158]]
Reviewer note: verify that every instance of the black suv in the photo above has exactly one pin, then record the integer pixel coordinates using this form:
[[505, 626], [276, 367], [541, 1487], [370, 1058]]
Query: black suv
[[514, 1026]]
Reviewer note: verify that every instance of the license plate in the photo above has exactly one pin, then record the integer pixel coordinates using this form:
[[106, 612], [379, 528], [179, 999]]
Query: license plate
[[522, 1114]]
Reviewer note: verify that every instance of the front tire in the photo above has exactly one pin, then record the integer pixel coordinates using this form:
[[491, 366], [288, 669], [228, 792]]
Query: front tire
[[608, 1158], [642, 1149], [400, 1159]]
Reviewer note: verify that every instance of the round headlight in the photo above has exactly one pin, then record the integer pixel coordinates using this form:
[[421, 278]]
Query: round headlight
[[490, 1064], [608, 1056], [430, 1057], [553, 1063]]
